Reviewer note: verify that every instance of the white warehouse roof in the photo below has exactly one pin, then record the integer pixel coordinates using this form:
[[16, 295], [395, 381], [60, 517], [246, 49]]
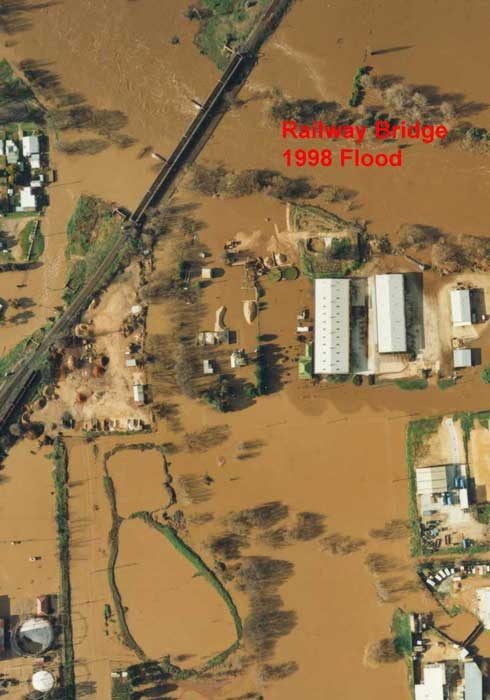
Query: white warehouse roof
[[473, 683], [462, 357], [30, 144], [460, 307], [434, 681], [431, 480], [27, 199], [390, 313], [332, 326]]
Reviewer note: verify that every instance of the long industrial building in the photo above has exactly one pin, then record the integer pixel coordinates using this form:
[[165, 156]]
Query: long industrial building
[[332, 326], [390, 313]]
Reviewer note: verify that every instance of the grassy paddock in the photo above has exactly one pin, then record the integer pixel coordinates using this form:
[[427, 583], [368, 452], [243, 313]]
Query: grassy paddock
[[25, 241], [402, 636]]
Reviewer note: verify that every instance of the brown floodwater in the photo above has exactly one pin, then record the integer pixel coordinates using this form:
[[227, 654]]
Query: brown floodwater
[[171, 609], [337, 451]]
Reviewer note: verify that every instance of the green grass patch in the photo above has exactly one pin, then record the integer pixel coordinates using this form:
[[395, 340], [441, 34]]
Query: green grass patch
[[60, 477], [121, 689], [415, 384], [417, 434], [82, 225], [14, 91], [444, 384], [467, 421], [402, 635], [225, 22], [17, 353], [92, 232], [19, 214], [483, 513], [358, 91], [25, 241], [6, 257]]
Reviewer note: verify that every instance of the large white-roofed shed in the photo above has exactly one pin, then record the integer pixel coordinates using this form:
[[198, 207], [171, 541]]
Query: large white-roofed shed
[[390, 313], [332, 326]]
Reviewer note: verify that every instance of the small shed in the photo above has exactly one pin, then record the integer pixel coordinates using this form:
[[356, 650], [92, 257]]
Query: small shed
[[43, 605], [238, 358], [131, 362], [460, 307], [138, 394], [207, 367], [12, 152], [35, 161], [462, 358], [207, 273]]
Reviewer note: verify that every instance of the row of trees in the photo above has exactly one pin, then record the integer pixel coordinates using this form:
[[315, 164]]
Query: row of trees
[[218, 181]]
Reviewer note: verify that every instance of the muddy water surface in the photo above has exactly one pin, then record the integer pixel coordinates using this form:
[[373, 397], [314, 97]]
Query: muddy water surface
[[171, 609]]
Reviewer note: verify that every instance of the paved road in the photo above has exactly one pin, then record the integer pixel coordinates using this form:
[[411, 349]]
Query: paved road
[[453, 441]]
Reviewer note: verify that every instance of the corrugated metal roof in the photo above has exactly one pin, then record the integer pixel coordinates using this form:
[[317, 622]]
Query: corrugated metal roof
[[462, 357], [332, 326], [431, 480], [390, 313], [460, 307]]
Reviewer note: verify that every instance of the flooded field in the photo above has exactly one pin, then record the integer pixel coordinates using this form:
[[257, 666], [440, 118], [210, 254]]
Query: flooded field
[[171, 609], [151, 493], [28, 530]]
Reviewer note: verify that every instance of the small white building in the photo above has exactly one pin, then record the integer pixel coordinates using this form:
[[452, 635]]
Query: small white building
[[131, 362], [390, 313], [460, 307], [207, 367], [35, 161], [27, 200], [206, 273], [138, 394], [30, 145], [2, 147], [332, 326], [461, 358], [433, 684], [11, 152]]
